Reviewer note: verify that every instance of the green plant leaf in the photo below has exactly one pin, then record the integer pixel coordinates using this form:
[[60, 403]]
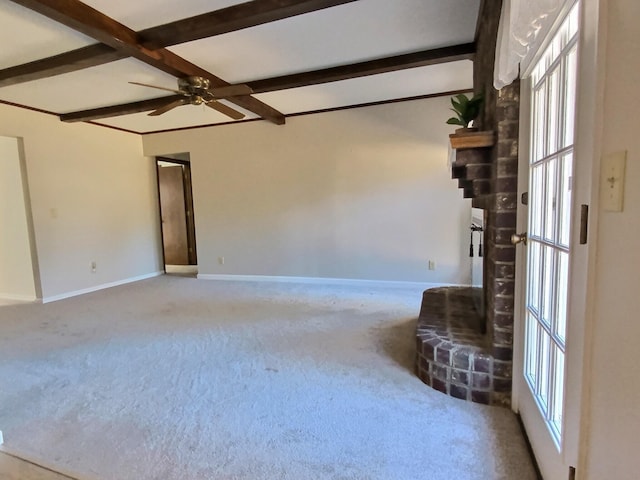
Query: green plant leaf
[[466, 109], [462, 99], [475, 102]]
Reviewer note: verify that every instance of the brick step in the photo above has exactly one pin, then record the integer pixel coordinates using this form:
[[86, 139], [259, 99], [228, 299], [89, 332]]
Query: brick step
[[458, 171], [478, 171], [474, 188], [471, 171], [453, 356], [472, 156], [472, 168]]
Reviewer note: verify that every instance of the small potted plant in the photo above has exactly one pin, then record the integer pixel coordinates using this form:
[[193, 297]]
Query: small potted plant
[[466, 110]]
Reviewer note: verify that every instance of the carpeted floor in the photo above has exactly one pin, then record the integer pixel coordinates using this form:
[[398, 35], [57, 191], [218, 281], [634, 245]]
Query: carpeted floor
[[178, 378]]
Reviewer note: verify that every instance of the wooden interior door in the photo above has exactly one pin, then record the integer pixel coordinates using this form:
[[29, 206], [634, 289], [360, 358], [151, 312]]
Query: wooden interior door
[[173, 214]]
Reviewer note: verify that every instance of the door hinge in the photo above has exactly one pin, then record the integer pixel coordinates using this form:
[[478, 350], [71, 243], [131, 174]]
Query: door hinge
[[524, 198], [584, 223], [572, 473]]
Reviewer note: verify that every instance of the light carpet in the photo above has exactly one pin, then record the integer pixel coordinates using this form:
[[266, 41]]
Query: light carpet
[[178, 378]]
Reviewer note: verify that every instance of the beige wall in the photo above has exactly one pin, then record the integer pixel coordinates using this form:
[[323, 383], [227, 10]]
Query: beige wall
[[93, 198], [16, 266], [359, 194], [614, 393]]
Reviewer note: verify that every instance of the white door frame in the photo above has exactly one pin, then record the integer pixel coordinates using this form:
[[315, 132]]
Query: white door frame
[[20, 226], [585, 181]]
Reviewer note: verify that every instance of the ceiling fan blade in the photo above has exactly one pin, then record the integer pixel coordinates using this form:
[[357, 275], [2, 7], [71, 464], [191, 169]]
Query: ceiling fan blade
[[228, 111], [159, 88], [231, 91], [167, 107]]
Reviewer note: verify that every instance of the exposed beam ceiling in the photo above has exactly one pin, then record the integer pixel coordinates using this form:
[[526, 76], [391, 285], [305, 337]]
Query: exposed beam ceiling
[[117, 110], [334, 58], [84, 19], [344, 72], [67, 62], [225, 20], [230, 19], [362, 69]]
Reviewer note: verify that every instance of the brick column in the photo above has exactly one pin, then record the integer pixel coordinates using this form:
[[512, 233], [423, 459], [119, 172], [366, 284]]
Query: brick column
[[501, 224]]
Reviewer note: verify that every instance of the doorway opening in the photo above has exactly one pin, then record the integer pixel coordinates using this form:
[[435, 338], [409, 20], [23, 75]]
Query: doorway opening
[[177, 222]]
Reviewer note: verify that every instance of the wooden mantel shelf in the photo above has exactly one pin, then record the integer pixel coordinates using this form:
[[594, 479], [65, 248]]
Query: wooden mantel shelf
[[472, 139]]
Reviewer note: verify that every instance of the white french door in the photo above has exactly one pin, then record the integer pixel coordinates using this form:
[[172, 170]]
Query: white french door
[[547, 165]]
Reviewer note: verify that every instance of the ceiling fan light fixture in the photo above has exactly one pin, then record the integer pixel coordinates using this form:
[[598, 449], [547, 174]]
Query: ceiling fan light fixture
[[198, 91]]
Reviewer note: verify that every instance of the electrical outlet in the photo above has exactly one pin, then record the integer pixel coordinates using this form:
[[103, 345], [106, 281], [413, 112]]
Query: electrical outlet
[[93, 266], [221, 260], [432, 265]]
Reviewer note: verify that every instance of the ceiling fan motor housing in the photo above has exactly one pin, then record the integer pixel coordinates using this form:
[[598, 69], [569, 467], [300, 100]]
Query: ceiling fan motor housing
[[194, 85], [197, 89]]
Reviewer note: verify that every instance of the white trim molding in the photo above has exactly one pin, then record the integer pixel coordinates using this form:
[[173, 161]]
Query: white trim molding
[[349, 282], [17, 298], [95, 288]]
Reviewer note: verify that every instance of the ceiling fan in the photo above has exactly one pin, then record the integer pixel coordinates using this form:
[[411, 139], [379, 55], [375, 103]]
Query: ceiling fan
[[198, 91]]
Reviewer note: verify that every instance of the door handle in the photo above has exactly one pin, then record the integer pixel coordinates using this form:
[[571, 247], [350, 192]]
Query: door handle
[[517, 238]]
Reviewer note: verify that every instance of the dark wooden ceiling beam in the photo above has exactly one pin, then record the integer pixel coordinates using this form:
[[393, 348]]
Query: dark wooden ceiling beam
[[344, 72], [95, 24], [372, 67], [67, 62], [230, 19], [117, 110], [225, 20]]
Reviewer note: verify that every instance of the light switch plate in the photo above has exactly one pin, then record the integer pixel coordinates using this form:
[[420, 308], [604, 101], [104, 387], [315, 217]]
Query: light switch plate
[[612, 181]]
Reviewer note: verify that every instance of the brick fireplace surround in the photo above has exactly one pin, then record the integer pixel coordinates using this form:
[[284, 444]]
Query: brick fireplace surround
[[459, 351]]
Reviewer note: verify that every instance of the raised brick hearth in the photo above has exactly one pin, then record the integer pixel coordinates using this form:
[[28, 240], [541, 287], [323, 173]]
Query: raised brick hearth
[[453, 356]]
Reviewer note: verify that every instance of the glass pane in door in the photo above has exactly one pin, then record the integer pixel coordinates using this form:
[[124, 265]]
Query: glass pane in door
[[550, 177]]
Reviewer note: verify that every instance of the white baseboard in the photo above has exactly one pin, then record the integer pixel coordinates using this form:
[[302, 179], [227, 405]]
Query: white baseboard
[[75, 293], [17, 298], [323, 281]]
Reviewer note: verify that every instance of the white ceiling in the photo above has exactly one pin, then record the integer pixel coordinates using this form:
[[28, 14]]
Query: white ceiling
[[346, 34]]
